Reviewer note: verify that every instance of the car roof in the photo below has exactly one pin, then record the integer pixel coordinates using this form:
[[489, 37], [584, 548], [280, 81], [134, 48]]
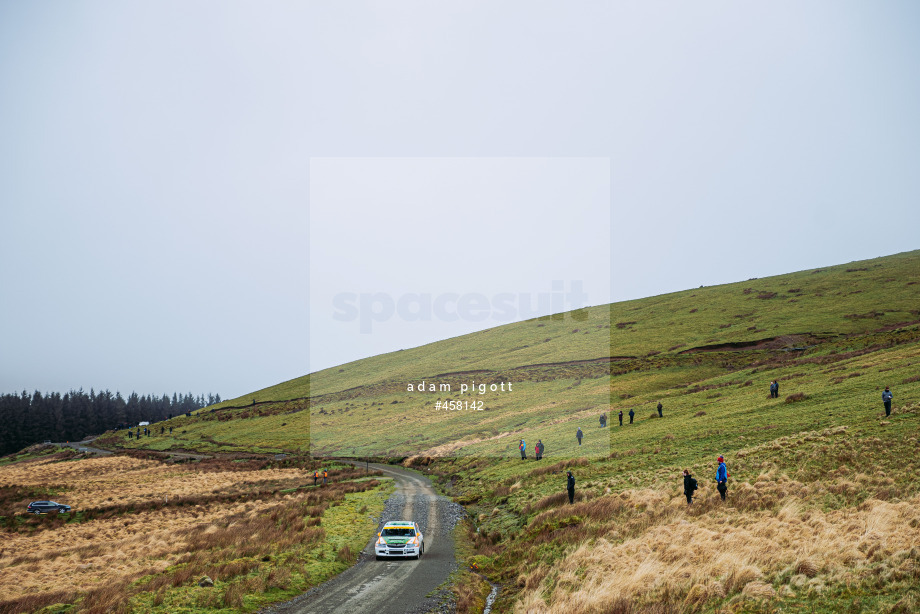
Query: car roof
[[400, 523]]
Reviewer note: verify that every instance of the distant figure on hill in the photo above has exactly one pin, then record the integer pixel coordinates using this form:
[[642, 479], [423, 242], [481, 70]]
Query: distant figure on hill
[[522, 446], [538, 449], [631, 414], [722, 478], [579, 435], [129, 434], [690, 486], [603, 420], [170, 430], [660, 407], [621, 417], [886, 399], [325, 476], [774, 389], [315, 477], [162, 430], [570, 486]]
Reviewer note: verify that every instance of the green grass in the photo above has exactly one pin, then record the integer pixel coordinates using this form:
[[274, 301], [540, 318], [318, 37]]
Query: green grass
[[347, 524], [836, 336]]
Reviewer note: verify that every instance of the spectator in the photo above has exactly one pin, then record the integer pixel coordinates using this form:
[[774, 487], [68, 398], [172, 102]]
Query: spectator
[[631, 414], [886, 399], [522, 446], [325, 476], [621, 417], [660, 407], [570, 486], [690, 486], [722, 478], [579, 435], [538, 449]]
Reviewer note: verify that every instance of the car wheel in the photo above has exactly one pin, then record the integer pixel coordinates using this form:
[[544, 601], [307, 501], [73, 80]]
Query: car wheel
[[376, 557]]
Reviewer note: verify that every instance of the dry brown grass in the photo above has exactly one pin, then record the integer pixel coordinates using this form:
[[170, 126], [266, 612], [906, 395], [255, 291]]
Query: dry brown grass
[[121, 480], [201, 529], [653, 549]]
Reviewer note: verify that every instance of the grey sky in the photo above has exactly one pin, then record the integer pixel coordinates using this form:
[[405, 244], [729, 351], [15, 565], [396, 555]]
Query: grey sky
[[155, 157], [447, 246]]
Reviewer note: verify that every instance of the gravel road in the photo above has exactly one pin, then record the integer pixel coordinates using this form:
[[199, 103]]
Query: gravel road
[[393, 586]]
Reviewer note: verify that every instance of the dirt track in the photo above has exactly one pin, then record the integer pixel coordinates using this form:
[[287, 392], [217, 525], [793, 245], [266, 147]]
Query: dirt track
[[391, 586]]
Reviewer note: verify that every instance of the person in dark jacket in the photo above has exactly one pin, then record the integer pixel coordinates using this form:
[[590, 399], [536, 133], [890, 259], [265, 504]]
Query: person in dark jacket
[[690, 486], [722, 478], [621, 417], [774, 389], [660, 407], [603, 420], [631, 414], [570, 486], [886, 399], [538, 449], [579, 435]]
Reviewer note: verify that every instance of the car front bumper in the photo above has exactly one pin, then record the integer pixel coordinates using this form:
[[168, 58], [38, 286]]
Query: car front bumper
[[394, 551]]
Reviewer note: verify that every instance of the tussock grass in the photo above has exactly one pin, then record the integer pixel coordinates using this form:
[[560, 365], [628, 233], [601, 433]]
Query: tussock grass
[[665, 554], [252, 538]]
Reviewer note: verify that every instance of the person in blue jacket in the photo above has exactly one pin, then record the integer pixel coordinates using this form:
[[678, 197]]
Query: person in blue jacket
[[722, 478], [886, 399], [523, 448]]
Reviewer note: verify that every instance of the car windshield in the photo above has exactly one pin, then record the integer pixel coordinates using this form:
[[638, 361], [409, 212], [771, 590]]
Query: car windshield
[[399, 532]]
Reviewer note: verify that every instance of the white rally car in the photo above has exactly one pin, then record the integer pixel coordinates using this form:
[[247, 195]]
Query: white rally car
[[400, 538]]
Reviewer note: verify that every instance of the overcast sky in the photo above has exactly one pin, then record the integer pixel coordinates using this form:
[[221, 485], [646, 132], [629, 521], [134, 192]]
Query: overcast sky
[[157, 162]]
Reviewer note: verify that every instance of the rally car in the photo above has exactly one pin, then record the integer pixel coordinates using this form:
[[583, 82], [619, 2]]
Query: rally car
[[400, 538]]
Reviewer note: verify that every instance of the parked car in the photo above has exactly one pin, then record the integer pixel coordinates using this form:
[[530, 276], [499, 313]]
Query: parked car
[[400, 538], [43, 507]]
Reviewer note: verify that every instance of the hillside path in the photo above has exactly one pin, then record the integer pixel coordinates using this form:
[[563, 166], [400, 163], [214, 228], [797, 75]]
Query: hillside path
[[84, 446], [390, 586]]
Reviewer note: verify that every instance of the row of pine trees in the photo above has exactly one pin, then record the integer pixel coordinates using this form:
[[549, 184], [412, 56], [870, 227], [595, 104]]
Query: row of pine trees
[[27, 419]]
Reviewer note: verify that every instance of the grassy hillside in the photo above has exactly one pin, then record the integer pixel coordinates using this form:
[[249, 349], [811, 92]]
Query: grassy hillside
[[567, 371], [838, 300], [823, 511]]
